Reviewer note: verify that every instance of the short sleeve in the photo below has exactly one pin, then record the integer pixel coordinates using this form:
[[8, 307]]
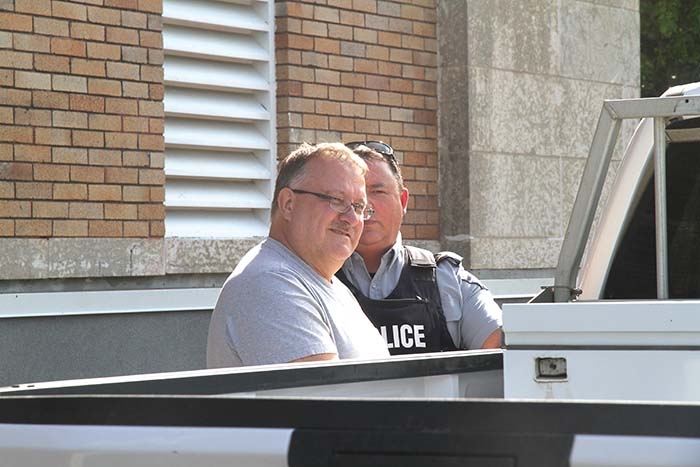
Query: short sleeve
[[276, 320], [470, 310]]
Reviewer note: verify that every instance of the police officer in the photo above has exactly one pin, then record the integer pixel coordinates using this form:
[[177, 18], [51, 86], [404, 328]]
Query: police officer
[[420, 302]]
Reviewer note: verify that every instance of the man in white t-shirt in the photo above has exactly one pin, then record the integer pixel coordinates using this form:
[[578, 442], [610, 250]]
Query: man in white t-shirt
[[282, 302]]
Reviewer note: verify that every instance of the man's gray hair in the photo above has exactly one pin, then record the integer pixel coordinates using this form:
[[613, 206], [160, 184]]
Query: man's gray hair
[[291, 169]]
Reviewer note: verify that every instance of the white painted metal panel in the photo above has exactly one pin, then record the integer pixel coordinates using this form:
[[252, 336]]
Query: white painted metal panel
[[635, 375], [227, 16], [111, 446], [631, 323], [457, 374], [191, 163], [19, 305], [219, 117], [209, 74], [190, 42], [215, 195], [638, 451], [633, 350], [216, 224], [213, 105], [190, 133], [452, 386]]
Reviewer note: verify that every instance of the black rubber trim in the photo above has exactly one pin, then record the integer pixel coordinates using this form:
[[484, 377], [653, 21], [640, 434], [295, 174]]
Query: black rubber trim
[[316, 448], [466, 416]]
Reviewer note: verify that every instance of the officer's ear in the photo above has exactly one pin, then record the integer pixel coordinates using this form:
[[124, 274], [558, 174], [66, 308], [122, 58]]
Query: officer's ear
[[404, 199]]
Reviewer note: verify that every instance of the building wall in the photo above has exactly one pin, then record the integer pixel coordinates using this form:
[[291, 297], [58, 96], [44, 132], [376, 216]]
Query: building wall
[[81, 137], [81, 142], [522, 85], [357, 71], [345, 71]]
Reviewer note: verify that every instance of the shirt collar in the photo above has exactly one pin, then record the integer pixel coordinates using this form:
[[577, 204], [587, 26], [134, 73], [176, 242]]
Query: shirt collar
[[355, 263]]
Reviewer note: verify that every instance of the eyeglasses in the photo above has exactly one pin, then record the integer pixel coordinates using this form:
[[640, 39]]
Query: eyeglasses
[[339, 205], [377, 146]]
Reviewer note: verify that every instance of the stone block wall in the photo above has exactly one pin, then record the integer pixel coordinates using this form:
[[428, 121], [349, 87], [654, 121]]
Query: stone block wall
[[522, 84]]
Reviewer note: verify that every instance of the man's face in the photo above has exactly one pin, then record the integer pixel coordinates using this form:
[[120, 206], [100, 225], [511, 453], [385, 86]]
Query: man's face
[[322, 237], [389, 203]]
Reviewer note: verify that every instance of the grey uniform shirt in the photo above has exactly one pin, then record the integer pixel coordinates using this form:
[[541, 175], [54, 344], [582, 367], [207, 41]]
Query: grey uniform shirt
[[470, 310], [275, 308]]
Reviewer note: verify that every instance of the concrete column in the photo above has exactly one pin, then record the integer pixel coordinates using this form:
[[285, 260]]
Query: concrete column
[[521, 87]]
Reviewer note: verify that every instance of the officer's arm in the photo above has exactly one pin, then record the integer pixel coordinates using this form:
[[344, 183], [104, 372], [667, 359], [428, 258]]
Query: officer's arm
[[480, 313]]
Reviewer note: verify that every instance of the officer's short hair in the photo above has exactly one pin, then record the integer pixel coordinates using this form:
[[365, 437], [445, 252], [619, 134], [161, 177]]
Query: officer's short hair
[[378, 150]]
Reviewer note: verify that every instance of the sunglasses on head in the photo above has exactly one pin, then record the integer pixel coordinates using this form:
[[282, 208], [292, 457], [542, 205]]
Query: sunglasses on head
[[376, 146]]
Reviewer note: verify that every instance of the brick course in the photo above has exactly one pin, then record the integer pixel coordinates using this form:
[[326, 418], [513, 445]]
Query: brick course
[[82, 119], [81, 122], [364, 70]]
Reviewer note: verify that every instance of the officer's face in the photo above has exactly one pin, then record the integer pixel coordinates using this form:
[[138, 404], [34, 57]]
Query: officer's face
[[389, 202]]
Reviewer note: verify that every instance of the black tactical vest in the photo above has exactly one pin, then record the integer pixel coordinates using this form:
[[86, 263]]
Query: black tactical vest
[[410, 319]]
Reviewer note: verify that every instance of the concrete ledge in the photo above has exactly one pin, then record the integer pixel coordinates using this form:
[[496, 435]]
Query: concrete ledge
[[203, 255], [80, 257], [27, 305], [68, 258], [100, 302]]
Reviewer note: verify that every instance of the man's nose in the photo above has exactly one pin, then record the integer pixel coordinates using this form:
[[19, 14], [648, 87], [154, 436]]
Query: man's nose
[[350, 213]]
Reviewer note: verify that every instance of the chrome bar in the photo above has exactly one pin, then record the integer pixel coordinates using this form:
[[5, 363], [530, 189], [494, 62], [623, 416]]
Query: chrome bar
[[585, 204], [652, 107], [583, 212], [660, 204]]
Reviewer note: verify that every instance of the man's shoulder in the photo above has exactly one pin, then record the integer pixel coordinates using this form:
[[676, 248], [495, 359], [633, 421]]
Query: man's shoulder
[[266, 287], [268, 265], [271, 256]]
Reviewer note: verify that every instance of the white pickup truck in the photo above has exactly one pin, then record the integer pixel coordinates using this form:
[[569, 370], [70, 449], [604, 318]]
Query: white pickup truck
[[633, 332], [600, 369]]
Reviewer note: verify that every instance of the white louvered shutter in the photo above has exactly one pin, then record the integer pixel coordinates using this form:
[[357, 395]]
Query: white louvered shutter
[[219, 117]]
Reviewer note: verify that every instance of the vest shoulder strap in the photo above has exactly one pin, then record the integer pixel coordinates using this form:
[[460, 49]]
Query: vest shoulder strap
[[450, 256], [455, 260], [419, 257]]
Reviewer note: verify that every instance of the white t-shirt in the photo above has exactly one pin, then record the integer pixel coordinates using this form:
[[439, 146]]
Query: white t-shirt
[[275, 308]]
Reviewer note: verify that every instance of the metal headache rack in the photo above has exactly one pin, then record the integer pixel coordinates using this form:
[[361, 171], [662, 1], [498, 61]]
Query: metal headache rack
[[661, 110]]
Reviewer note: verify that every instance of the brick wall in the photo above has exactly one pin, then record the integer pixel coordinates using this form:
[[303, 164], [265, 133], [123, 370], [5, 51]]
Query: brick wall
[[81, 118], [361, 70]]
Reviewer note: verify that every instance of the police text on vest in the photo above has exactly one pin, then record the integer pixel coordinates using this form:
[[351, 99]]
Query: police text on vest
[[406, 336]]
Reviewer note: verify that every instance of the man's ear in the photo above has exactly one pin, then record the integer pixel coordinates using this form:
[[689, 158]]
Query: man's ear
[[404, 199], [285, 203]]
